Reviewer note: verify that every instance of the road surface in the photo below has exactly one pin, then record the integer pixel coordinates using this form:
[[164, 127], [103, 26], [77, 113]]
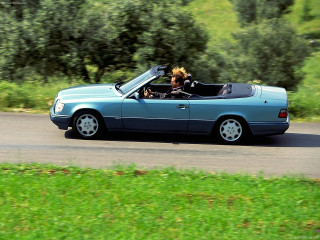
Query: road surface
[[29, 138]]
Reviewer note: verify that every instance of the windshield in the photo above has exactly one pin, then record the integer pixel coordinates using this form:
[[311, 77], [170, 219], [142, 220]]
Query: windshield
[[134, 82]]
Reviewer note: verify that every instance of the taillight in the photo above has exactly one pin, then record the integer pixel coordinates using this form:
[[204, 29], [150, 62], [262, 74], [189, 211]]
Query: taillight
[[283, 113]]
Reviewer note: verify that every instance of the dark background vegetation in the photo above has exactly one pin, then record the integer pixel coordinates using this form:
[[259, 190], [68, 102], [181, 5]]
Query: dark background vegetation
[[59, 41]]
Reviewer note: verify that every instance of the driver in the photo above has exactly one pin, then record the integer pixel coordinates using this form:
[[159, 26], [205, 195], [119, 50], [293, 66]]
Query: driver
[[178, 77]]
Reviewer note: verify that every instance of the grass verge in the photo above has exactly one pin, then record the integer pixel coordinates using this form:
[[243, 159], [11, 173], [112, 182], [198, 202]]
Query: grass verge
[[217, 16], [51, 202]]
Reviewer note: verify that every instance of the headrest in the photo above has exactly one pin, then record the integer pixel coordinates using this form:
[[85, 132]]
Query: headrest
[[194, 83], [189, 77], [186, 85]]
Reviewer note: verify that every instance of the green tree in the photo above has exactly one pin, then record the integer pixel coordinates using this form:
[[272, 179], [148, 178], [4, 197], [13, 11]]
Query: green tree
[[255, 11], [63, 36], [270, 51], [171, 38], [209, 66], [45, 38], [111, 34], [267, 48]]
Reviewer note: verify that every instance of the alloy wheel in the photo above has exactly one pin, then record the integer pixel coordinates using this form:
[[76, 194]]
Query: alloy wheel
[[87, 125], [230, 130]]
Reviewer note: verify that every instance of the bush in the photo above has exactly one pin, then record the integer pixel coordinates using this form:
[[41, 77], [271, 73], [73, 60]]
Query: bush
[[31, 94], [255, 11], [39, 96], [305, 101]]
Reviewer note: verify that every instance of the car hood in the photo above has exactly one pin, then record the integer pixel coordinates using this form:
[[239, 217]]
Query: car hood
[[89, 91]]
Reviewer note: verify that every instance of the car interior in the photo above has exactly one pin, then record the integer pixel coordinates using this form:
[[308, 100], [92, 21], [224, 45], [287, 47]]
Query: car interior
[[191, 89]]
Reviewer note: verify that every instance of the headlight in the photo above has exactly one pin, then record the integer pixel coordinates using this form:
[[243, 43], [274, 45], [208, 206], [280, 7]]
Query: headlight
[[59, 106]]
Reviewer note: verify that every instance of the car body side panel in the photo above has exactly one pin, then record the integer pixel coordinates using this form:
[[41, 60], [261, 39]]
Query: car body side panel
[[111, 113], [200, 126], [110, 110], [155, 114], [204, 113]]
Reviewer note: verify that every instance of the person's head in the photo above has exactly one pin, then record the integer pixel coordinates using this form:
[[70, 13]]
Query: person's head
[[178, 77], [176, 80]]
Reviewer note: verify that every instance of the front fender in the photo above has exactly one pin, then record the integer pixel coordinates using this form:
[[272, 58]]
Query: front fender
[[110, 111]]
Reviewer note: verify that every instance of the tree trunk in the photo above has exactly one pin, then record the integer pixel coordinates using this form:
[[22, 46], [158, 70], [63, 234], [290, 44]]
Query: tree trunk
[[85, 74], [99, 74]]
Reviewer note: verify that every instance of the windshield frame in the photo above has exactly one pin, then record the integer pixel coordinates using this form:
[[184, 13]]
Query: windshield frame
[[128, 86], [150, 75]]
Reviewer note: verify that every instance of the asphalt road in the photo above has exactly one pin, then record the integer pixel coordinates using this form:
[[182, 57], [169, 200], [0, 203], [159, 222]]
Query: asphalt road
[[33, 138]]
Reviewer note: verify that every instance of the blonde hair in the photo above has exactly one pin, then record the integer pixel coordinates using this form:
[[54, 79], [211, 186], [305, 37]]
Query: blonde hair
[[180, 71]]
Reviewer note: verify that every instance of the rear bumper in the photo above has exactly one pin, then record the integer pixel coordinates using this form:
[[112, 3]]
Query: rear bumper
[[269, 128], [61, 121]]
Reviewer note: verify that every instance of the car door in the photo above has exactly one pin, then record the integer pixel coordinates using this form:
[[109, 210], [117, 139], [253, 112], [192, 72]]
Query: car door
[[169, 115]]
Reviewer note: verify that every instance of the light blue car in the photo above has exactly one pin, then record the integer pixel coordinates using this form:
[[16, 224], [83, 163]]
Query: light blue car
[[229, 112]]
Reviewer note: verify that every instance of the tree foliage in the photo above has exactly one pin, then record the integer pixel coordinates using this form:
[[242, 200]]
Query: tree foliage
[[255, 11], [172, 38], [67, 36], [271, 52], [266, 48], [88, 39], [45, 36]]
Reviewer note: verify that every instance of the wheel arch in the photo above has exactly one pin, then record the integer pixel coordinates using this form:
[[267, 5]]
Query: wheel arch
[[239, 117], [89, 110]]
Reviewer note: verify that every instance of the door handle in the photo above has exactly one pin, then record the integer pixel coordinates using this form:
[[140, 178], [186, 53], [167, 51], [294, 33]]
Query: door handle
[[181, 106]]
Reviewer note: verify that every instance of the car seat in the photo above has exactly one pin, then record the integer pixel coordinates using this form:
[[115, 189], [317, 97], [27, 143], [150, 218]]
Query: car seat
[[225, 89], [187, 84]]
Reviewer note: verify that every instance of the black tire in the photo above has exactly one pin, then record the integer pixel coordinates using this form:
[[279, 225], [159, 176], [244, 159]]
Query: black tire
[[88, 124], [231, 130]]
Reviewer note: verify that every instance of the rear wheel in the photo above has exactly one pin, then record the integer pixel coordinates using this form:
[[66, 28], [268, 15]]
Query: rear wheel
[[87, 124], [231, 130]]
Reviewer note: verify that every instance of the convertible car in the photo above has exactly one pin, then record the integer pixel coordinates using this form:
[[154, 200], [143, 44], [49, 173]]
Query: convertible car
[[229, 112]]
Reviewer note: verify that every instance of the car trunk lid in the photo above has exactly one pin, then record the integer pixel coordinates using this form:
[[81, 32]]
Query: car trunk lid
[[275, 93]]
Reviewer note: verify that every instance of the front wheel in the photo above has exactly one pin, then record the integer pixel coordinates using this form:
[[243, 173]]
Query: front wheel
[[87, 125], [230, 130]]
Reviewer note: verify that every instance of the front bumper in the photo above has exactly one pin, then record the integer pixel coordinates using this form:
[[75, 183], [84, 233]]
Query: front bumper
[[62, 121]]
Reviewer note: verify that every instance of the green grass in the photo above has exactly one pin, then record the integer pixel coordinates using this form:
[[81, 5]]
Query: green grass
[[51, 202], [220, 20], [217, 16]]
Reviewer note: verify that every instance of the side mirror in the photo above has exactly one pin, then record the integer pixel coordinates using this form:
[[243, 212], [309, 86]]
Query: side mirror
[[136, 95]]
